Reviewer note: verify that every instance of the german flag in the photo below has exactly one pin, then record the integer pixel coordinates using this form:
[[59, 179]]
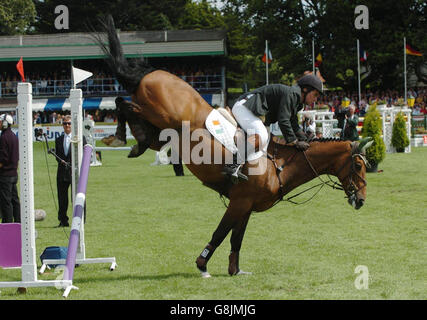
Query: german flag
[[411, 51], [318, 61]]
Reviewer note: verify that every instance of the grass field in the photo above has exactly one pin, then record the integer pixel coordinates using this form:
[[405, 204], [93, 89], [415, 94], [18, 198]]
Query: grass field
[[156, 224]]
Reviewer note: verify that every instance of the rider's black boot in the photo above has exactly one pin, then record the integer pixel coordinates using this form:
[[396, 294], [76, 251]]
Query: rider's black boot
[[233, 170]]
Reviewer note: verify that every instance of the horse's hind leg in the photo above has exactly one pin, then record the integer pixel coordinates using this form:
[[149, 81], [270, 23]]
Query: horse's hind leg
[[236, 215], [236, 243]]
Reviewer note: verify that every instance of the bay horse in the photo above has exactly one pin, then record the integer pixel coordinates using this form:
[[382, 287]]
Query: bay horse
[[163, 100]]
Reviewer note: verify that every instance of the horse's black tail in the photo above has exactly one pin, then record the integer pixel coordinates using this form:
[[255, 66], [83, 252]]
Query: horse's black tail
[[128, 73]]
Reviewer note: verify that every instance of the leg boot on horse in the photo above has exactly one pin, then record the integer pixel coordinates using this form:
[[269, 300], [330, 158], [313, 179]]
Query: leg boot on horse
[[235, 218]]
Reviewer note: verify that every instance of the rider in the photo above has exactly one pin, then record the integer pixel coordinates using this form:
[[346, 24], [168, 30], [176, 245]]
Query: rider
[[278, 103]]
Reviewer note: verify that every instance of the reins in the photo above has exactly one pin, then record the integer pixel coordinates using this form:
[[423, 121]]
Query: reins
[[330, 182], [280, 169]]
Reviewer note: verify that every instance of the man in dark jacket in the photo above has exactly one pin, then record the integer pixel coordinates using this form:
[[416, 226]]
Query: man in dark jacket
[[349, 131], [277, 103], [340, 115], [9, 157], [63, 175]]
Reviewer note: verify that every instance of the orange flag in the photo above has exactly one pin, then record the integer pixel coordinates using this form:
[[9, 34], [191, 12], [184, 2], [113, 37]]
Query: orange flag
[[20, 68]]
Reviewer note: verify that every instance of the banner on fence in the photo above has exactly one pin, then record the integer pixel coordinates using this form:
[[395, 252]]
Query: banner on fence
[[99, 132]]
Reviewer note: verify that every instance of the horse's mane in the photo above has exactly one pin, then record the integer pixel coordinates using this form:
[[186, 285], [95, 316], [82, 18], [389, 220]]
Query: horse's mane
[[333, 139], [280, 141]]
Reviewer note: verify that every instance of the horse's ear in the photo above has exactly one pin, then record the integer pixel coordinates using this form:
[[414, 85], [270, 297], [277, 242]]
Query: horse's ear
[[365, 143]]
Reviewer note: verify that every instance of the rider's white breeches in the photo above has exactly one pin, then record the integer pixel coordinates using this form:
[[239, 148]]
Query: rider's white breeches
[[251, 124]]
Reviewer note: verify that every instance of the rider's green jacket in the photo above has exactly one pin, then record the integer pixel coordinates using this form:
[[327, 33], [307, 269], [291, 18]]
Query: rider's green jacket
[[277, 102]]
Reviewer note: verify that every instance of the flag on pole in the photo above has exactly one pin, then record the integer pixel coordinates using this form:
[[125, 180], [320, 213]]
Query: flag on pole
[[411, 51], [318, 61], [264, 57], [80, 75], [20, 68], [365, 71], [363, 54]]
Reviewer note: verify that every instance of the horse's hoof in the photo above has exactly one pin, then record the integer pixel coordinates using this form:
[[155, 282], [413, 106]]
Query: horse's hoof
[[117, 143], [108, 140], [134, 152], [241, 273], [205, 274]]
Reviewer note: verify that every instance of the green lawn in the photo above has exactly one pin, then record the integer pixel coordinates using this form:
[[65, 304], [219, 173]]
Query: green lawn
[[156, 224]]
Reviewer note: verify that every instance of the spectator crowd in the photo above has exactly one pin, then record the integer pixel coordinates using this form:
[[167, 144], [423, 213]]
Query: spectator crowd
[[102, 83], [333, 99]]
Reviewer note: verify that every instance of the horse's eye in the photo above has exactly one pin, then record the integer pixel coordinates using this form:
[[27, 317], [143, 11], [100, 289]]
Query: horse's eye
[[358, 166]]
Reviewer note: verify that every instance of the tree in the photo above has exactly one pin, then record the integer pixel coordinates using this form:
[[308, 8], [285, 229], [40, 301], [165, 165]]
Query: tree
[[16, 16], [201, 15], [399, 137], [372, 127], [129, 15], [291, 25]]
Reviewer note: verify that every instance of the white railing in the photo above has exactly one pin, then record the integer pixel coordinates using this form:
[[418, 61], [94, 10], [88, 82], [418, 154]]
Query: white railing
[[325, 118], [388, 115], [101, 86]]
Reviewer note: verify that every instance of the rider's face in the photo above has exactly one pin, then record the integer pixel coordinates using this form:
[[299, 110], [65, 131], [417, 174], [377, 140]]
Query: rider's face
[[311, 97]]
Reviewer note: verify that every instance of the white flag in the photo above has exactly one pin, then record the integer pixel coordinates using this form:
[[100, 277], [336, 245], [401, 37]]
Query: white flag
[[80, 75]]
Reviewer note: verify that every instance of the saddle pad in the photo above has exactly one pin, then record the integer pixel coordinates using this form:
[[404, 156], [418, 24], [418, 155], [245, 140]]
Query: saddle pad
[[221, 129]]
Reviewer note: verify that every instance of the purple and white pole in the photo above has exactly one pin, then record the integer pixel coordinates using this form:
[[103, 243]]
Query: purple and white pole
[[78, 213]]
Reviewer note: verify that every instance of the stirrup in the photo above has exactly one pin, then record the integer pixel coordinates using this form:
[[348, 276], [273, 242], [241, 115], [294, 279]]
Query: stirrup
[[233, 171]]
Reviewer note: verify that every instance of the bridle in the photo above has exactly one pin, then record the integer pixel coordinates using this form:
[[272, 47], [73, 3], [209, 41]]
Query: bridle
[[351, 192], [352, 189]]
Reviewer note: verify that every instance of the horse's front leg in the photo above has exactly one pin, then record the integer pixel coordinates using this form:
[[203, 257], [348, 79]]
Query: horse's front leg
[[236, 243], [235, 215]]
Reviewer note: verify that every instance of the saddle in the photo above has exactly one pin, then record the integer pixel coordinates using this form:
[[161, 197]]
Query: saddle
[[226, 112], [223, 126]]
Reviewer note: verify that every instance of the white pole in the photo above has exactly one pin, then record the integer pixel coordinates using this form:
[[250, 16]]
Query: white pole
[[404, 68], [266, 61], [358, 68], [26, 184], [312, 53], [76, 102]]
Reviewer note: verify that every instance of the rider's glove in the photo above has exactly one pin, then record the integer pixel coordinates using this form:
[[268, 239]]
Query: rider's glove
[[302, 145], [301, 135]]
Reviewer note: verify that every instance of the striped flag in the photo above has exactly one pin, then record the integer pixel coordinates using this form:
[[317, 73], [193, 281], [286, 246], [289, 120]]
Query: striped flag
[[363, 54], [264, 57], [411, 51]]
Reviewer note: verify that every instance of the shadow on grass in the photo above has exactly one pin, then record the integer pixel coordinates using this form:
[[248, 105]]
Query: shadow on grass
[[157, 277]]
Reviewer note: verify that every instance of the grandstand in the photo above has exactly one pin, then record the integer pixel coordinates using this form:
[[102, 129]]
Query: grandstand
[[197, 56]]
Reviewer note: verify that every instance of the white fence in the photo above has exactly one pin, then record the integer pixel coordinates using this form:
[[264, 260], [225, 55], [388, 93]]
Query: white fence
[[325, 118], [388, 116]]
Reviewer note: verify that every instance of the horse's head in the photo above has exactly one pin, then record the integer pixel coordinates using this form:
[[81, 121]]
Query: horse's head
[[353, 173]]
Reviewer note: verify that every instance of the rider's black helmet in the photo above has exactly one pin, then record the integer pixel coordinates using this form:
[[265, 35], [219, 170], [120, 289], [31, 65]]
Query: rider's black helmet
[[311, 82]]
